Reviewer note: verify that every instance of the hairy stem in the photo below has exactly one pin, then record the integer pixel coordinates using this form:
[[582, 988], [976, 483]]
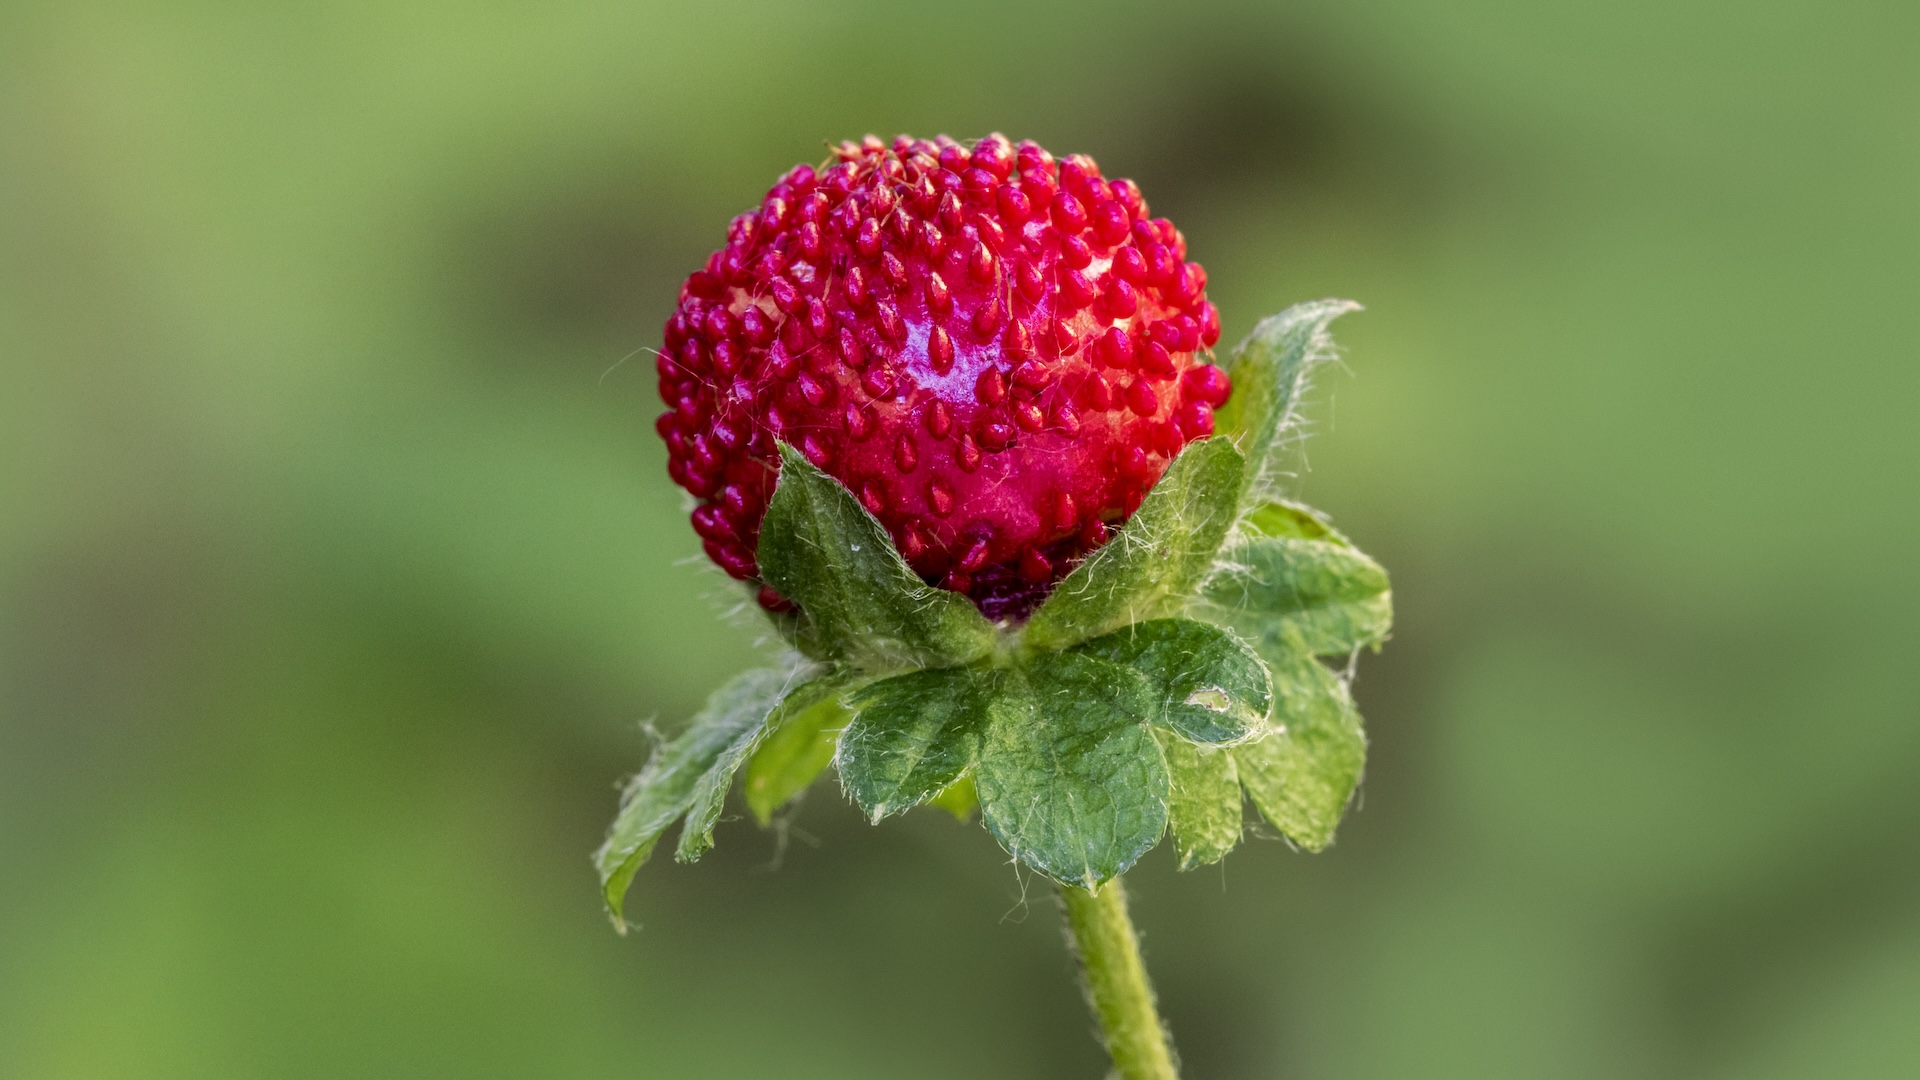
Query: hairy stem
[[1116, 980]]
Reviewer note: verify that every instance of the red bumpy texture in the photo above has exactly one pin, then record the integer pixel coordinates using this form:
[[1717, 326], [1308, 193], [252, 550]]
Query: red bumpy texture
[[996, 352]]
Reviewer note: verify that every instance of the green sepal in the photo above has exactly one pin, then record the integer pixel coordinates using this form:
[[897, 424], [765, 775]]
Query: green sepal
[[1293, 575], [1210, 687], [1070, 779], [913, 735], [1151, 567], [960, 799], [1203, 801], [710, 794], [1269, 372], [797, 630], [798, 745], [679, 774], [1284, 517], [859, 601], [1303, 775]]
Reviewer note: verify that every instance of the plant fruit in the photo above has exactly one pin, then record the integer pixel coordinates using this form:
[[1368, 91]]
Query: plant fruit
[[998, 353]]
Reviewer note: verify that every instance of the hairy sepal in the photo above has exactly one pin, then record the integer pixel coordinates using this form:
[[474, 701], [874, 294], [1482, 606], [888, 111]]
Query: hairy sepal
[[961, 799], [1295, 588], [1203, 801], [860, 603], [1071, 780], [914, 735], [1209, 687], [1151, 567], [1269, 371], [1290, 573], [1303, 775], [688, 770], [798, 744]]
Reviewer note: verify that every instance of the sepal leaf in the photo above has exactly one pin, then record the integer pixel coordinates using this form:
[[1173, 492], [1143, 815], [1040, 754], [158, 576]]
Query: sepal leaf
[[798, 745], [1294, 575], [913, 735], [1302, 776], [1210, 687], [710, 795], [859, 601], [960, 799], [1203, 801], [1153, 564], [1070, 778], [684, 771], [1269, 372]]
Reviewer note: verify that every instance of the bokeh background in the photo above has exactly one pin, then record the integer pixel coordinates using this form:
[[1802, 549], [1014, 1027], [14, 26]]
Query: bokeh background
[[339, 570]]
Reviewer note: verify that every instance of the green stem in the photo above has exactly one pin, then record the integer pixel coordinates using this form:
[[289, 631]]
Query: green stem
[[1116, 979]]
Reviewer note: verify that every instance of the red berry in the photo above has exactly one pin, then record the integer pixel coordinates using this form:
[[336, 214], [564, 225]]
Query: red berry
[[994, 350]]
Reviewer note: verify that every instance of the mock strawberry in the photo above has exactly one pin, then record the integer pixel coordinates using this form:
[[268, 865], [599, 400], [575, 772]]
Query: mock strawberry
[[997, 352]]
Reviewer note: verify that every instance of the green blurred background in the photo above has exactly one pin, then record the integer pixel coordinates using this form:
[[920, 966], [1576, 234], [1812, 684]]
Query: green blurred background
[[339, 568]]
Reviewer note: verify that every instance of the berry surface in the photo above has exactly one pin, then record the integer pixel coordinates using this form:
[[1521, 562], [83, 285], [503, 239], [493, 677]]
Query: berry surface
[[998, 353]]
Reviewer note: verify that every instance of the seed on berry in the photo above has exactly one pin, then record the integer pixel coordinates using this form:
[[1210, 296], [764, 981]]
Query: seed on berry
[[939, 418], [1034, 566], [940, 349], [1141, 399], [991, 387]]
